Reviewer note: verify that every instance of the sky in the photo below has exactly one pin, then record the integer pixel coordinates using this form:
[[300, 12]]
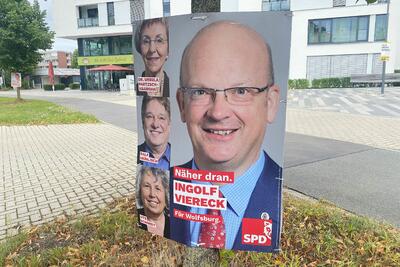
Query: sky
[[59, 44]]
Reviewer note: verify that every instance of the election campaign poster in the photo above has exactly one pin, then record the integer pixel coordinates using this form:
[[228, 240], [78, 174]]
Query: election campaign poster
[[211, 103], [15, 79]]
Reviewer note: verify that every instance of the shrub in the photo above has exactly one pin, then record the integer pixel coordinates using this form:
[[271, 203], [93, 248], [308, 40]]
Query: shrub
[[74, 86], [25, 84], [331, 82], [316, 83], [396, 71], [346, 82], [298, 84], [59, 86]]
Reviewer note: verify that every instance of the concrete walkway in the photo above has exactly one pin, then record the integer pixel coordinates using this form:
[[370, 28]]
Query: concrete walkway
[[48, 171], [345, 156], [361, 101]]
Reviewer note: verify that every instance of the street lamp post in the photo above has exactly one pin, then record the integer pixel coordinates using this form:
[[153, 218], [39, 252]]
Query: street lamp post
[[384, 61]]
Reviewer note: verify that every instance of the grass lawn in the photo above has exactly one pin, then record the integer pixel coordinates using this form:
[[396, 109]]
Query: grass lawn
[[38, 112], [315, 234]]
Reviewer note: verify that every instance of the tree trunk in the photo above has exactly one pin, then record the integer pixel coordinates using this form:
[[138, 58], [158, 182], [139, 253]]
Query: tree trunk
[[18, 93], [201, 257]]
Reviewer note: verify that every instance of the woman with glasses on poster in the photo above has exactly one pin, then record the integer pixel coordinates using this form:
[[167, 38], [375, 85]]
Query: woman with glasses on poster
[[151, 41]]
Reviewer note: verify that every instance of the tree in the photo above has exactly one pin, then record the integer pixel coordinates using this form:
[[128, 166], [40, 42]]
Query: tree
[[24, 33], [206, 6], [369, 1], [74, 59]]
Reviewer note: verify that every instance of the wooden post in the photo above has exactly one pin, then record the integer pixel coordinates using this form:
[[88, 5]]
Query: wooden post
[[201, 257]]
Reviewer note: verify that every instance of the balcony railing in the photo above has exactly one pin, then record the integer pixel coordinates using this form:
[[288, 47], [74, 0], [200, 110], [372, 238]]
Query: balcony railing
[[276, 5], [88, 22]]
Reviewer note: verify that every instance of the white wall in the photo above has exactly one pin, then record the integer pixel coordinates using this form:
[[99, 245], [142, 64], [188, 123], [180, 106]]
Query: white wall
[[394, 35], [103, 18], [249, 5], [296, 5], [66, 26], [153, 9], [229, 5], [240, 5], [180, 7], [311, 4], [122, 13]]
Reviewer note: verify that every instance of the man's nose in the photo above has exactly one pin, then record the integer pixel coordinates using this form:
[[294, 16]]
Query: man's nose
[[220, 108], [155, 123]]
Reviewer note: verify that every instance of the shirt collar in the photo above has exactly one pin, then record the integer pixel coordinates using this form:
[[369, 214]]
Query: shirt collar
[[238, 194], [166, 155]]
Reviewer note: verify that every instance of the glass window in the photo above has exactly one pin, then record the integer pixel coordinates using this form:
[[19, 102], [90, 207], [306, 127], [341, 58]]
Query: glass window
[[166, 8], [125, 45], [110, 13], [344, 30], [92, 13], [95, 47], [338, 30], [381, 27], [115, 46], [362, 34], [313, 32], [325, 31], [319, 31]]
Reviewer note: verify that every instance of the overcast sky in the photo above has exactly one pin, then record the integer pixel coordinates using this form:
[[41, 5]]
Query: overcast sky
[[59, 43]]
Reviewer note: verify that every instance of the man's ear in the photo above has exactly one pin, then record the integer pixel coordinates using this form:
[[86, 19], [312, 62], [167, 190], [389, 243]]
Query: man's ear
[[272, 102], [180, 100]]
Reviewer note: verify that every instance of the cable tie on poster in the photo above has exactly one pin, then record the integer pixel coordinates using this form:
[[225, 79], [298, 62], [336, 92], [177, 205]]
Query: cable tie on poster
[[204, 17]]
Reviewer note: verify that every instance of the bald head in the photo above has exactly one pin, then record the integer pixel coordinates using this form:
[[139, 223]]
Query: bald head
[[223, 45], [225, 135]]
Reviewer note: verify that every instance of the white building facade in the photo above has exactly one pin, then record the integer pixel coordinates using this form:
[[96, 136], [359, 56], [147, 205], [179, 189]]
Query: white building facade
[[335, 38], [330, 38]]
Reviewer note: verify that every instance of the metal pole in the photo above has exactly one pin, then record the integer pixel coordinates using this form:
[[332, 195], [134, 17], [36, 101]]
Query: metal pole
[[383, 77], [384, 62]]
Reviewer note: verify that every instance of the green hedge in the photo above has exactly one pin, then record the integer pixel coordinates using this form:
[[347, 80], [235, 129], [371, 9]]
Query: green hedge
[[299, 84], [74, 86], [25, 84], [48, 87], [331, 83]]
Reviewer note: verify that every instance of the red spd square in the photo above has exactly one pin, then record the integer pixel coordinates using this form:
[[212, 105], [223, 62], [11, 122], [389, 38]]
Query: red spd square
[[256, 232]]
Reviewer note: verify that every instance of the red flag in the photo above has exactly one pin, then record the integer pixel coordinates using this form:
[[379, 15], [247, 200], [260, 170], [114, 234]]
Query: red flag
[[51, 73]]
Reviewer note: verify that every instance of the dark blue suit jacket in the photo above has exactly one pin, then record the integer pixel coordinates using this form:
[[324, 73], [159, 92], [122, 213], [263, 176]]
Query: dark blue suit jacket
[[266, 197]]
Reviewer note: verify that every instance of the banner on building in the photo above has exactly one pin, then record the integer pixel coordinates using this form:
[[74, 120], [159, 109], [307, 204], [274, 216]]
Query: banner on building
[[211, 109]]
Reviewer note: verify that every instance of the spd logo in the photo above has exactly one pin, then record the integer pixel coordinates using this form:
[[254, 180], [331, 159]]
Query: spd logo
[[257, 232]]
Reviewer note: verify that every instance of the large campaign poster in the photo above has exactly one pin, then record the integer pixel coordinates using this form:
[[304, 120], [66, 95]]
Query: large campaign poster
[[211, 102]]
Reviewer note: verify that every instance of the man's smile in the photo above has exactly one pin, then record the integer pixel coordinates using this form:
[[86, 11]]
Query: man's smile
[[220, 132]]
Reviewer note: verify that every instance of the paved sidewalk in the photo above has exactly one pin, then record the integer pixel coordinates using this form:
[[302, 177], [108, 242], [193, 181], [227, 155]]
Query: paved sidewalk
[[375, 131], [109, 97], [362, 101], [48, 171]]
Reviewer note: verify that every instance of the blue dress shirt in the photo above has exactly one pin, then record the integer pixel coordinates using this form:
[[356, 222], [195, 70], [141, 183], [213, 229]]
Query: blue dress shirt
[[238, 195], [163, 161]]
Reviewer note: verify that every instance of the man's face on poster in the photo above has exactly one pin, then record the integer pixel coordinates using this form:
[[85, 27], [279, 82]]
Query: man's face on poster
[[156, 124], [227, 135]]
